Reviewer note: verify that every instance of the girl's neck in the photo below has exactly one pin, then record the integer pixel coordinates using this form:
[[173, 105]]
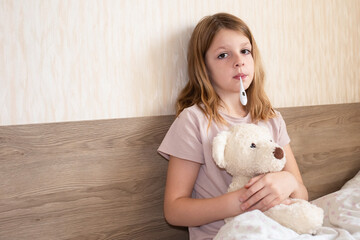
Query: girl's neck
[[233, 107], [235, 112]]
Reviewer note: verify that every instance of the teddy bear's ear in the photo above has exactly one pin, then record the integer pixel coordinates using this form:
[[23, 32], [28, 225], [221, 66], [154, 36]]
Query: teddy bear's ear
[[218, 148]]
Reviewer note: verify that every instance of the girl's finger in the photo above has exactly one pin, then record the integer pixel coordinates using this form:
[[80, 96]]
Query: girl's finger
[[253, 180], [265, 203], [255, 199], [254, 187]]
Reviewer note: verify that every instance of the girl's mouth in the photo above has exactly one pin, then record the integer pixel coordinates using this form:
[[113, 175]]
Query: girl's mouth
[[243, 76]]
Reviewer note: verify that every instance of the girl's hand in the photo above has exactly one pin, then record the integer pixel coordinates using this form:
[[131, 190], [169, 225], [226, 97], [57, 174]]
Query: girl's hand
[[268, 190]]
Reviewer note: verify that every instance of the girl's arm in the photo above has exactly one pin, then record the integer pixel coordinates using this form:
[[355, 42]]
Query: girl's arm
[[182, 210], [292, 167], [268, 190]]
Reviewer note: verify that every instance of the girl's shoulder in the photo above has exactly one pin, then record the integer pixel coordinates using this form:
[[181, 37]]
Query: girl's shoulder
[[278, 114], [193, 109], [193, 112], [193, 116], [276, 121], [279, 117]]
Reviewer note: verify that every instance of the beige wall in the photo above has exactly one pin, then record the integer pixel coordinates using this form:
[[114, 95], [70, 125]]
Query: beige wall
[[83, 60]]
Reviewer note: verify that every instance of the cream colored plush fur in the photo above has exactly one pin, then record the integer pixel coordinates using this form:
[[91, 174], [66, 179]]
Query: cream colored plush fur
[[247, 150]]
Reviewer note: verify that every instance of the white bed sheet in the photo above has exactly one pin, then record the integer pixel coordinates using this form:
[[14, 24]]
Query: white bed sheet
[[341, 220]]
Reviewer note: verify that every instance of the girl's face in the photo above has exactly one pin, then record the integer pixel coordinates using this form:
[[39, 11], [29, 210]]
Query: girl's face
[[228, 58]]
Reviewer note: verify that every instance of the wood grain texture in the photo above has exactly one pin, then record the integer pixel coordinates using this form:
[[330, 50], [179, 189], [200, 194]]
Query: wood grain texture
[[326, 143], [103, 180], [84, 180]]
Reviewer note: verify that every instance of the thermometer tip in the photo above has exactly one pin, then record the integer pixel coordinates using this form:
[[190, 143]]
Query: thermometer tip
[[243, 97]]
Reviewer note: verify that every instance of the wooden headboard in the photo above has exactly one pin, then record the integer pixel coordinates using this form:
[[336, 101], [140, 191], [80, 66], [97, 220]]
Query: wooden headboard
[[104, 179]]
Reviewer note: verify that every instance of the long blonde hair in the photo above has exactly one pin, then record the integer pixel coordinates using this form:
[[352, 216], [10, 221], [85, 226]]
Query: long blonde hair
[[199, 90]]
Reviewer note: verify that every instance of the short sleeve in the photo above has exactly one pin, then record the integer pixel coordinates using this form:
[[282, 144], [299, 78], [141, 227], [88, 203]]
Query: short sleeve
[[283, 136], [183, 140]]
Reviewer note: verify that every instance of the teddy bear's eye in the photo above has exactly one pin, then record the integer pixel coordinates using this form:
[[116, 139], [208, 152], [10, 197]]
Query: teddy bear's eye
[[270, 140], [253, 145]]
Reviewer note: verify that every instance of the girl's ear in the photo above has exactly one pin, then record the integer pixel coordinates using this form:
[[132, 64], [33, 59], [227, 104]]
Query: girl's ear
[[218, 148]]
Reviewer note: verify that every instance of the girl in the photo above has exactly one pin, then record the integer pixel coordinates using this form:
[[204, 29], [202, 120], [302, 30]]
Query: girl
[[222, 51]]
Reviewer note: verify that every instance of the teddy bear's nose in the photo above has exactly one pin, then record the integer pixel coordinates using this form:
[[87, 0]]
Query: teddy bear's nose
[[278, 153]]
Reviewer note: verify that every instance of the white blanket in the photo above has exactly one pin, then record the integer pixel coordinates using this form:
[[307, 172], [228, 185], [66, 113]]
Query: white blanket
[[341, 220]]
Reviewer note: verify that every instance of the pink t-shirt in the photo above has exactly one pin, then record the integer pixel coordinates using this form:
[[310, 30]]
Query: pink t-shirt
[[189, 138]]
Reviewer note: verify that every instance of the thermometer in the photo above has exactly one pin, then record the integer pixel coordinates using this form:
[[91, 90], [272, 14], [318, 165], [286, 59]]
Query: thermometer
[[243, 98]]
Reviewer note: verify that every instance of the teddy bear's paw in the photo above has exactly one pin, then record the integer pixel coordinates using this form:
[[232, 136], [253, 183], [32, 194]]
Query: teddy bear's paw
[[300, 216]]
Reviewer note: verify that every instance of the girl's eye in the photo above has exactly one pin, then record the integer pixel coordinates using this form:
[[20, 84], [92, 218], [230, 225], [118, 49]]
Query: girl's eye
[[253, 145], [223, 55], [245, 51]]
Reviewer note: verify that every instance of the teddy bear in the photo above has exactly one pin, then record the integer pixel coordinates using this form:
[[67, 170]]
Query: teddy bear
[[247, 150]]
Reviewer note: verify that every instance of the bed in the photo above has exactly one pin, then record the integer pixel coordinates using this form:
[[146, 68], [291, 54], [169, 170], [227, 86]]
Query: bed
[[104, 179]]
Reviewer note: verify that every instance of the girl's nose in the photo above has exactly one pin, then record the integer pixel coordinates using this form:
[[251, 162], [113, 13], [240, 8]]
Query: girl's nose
[[238, 62]]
